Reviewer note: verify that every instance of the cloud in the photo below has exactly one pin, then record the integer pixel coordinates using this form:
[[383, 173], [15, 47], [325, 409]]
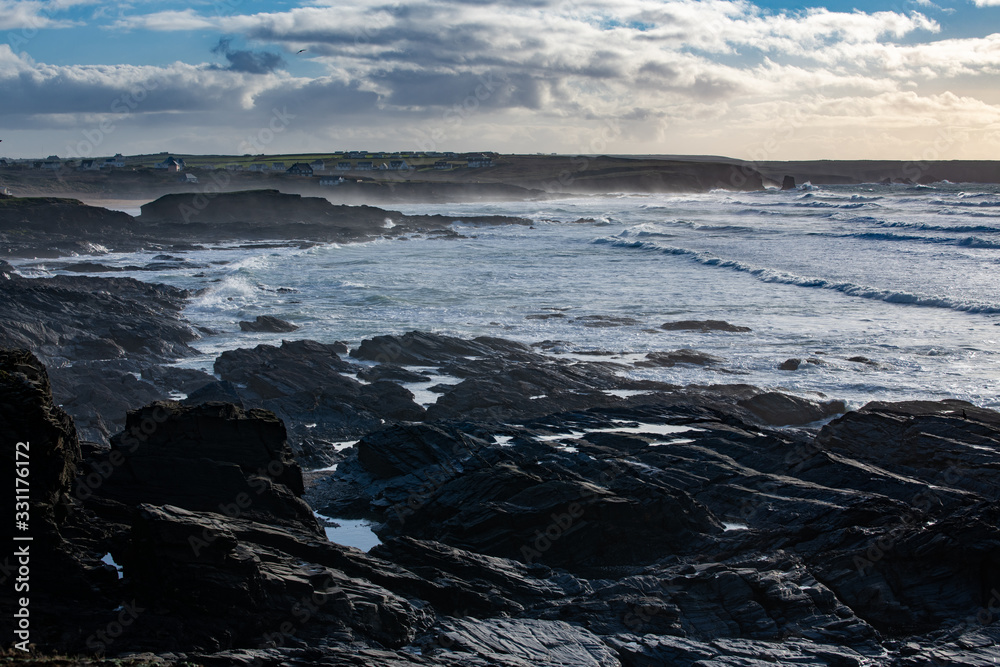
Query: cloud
[[674, 71], [987, 3], [169, 21], [252, 62], [30, 15]]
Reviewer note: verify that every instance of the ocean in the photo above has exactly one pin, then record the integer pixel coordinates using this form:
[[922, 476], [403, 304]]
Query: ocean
[[884, 292]]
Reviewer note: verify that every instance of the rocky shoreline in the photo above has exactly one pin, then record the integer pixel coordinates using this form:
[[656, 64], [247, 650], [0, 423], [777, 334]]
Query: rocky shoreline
[[531, 509], [541, 511], [47, 227]]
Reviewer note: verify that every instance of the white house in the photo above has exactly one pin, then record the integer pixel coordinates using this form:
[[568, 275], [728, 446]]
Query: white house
[[367, 165], [89, 165], [117, 161], [344, 166], [187, 178], [278, 166], [318, 165], [171, 164]]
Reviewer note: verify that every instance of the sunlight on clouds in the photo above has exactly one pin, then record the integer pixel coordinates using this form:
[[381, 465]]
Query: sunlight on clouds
[[667, 70]]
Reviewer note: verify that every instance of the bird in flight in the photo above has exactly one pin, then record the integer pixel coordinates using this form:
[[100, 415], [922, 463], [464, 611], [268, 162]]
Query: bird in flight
[[300, 51]]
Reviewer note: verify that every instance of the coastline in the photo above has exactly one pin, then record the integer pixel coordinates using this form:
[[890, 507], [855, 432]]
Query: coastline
[[542, 508]]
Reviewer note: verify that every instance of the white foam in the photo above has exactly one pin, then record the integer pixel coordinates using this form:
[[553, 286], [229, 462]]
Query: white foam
[[341, 446], [626, 393]]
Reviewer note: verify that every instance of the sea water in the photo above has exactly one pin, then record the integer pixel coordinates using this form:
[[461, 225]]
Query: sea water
[[904, 276]]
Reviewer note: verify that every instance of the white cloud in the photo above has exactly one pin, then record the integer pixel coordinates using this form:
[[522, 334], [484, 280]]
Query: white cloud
[[31, 15], [558, 68]]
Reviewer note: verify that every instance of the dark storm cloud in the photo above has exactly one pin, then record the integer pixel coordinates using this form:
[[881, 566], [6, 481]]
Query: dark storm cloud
[[250, 62]]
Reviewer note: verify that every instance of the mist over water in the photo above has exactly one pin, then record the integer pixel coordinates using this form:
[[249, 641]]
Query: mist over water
[[904, 276]]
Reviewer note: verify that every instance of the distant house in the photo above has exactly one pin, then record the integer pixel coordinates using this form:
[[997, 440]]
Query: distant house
[[443, 164], [234, 167], [171, 164], [278, 166], [187, 178], [300, 169], [331, 180], [89, 165], [365, 166], [344, 166], [258, 166], [318, 165], [476, 161], [398, 165], [54, 165], [117, 161], [357, 154]]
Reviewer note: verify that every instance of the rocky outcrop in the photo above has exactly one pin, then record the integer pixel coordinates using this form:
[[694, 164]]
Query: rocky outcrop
[[620, 535], [270, 214], [243, 461], [704, 326], [104, 339], [51, 227], [38, 437], [268, 324], [80, 318]]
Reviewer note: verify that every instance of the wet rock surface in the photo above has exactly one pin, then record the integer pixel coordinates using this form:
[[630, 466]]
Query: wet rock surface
[[268, 324], [530, 516]]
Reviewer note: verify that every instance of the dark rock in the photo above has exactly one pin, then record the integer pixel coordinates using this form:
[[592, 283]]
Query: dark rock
[[685, 356], [243, 460], [391, 372], [99, 394], [790, 365], [50, 452], [788, 183], [785, 410], [235, 583], [85, 318], [221, 391], [606, 321], [268, 324], [305, 382], [417, 348], [704, 326]]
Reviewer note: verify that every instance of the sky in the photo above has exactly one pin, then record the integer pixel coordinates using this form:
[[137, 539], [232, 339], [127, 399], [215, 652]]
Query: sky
[[771, 80]]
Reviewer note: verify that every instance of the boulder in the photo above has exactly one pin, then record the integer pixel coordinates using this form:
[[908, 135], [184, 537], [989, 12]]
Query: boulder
[[214, 457], [685, 356], [790, 365], [268, 324], [704, 326]]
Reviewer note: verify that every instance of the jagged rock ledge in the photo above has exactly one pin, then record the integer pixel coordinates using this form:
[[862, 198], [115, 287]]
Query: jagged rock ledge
[[51, 227], [616, 535]]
